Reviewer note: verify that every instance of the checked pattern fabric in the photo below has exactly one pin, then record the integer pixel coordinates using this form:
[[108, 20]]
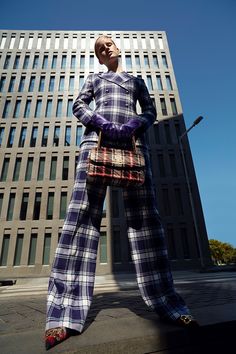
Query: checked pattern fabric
[[72, 277], [116, 167]]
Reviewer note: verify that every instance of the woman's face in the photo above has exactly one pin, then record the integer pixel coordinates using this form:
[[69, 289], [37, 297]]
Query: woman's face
[[106, 50]]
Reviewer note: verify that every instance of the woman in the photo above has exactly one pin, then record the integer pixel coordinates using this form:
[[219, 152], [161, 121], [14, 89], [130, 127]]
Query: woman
[[73, 272]]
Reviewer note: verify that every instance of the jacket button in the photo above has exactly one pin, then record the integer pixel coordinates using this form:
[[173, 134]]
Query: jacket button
[[127, 104], [105, 103], [107, 90], [127, 91]]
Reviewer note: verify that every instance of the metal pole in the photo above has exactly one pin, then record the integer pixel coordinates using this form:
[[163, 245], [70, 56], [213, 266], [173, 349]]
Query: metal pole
[[190, 192]]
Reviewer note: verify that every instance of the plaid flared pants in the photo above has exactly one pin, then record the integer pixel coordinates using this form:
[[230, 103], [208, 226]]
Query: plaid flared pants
[[72, 276]]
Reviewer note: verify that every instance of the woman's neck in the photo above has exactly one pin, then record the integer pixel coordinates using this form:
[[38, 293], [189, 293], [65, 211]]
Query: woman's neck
[[115, 67]]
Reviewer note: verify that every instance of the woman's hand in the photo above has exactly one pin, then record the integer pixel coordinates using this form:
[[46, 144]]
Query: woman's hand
[[129, 129]]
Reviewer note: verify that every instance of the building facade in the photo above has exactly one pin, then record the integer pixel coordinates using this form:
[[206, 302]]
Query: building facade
[[41, 75]]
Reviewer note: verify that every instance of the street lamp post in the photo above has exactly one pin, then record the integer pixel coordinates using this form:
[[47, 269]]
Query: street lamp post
[[197, 121]]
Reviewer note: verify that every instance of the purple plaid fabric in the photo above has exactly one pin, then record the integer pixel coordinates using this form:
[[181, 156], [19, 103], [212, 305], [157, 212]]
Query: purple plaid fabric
[[72, 277], [73, 271], [115, 97]]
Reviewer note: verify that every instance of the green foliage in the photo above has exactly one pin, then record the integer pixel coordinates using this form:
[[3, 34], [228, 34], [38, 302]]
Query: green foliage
[[222, 252]]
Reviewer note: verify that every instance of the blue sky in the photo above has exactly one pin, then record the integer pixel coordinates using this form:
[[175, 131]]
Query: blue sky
[[201, 36]]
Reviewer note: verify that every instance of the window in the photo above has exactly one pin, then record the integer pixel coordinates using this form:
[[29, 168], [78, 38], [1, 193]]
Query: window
[[54, 61], [137, 61], [21, 41], [34, 137], [128, 62], [171, 243], [16, 62], [1, 202], [59, 108], [24, 206], [65, 43], [65, 168], [82, 62], [163, 106], [36, 62], [51, 83], [74, 43], [7, 62], [157, 134], [173, 165], [81, 81], [53, 169], [42, 83], [1, 135], [173, 106], [166, 201], [149, 82], [168, 134], [91, 62], [185, 243], [21, 84], [32, 250], [78, 135], [46, 248], [2, 83], [22, 137], [159, 83], [5, 169], [38, 108], [69, 112], [61, 83], [18, 250], [3, 42], [63, 62], [31, 84], [161, 165], [41, 168], [155, 61], [146, 61], [143, 43], [26, 62], [71, 83], [169, 83], [11, 137], [6, 109], [29, 167], [30, 43], [37, 205], [73, 61], [45, 62], [103, 247], [67, 136], [11, 205], [48, 42], [17, 169], [39, 43], [12, 83], [56, 136], [17, 109], [27, 109], [164, 61], [63, 205], [49, 108], [45, 136], [50, 204], [179, 201], [5, 249], [57, 42]]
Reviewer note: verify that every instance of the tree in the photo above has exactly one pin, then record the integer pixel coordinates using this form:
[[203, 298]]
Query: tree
[[222, 252]]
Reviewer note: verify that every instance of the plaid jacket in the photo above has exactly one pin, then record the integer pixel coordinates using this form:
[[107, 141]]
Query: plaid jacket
[[115, 97]]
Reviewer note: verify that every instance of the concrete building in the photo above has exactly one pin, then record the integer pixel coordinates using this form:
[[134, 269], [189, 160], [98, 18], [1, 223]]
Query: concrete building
[[41, 75]]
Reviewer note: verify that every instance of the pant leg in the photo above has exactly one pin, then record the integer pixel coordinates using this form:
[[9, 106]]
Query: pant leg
[[72, 277], [149, 250]]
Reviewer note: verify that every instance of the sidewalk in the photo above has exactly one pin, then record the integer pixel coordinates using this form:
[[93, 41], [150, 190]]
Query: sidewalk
[[119, 322]]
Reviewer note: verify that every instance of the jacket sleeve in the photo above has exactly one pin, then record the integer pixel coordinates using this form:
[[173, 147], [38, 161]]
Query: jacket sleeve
[[81, 109], [148, 115]]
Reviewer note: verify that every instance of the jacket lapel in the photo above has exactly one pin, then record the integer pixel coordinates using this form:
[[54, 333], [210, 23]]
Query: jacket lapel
[[118, 79]]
